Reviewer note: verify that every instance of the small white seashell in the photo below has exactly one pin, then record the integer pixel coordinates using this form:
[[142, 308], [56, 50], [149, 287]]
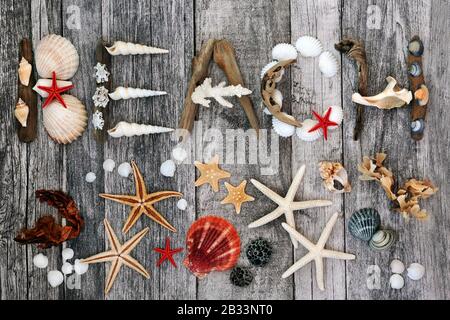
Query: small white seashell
[[55, 278], [48, 83], [309, 46], [396, 281], [328, 64], [268, 67], [167, 168], [416, 271], [21, 112], [303, 133], [126, 48], [284, 51], [66, 268], [109, 165], [40, 261], [336, 115], [79, 267], [25, 69], [283, 129], [90, 177], [397, 266], [179, 154], [126, 129], [182, 204], [67, 254], [134, 93], [124, 169]]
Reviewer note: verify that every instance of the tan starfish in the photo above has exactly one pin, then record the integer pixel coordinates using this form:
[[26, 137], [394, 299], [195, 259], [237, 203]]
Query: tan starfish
[[210, 173], [118, 255], [142, 202], [237, 195]]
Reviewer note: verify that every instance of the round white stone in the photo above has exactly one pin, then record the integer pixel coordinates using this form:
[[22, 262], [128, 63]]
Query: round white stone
[[40, 261]]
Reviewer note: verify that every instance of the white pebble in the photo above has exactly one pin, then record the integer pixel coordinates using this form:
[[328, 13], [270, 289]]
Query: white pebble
[[40, 261], [416, 271], [396, 281], [90, 177], [80, 267], [108, 165], [182, 204], [124, 169], [55, 278], [179, 154], [67, 268], [168, 168], [67, 254], [397, 266]]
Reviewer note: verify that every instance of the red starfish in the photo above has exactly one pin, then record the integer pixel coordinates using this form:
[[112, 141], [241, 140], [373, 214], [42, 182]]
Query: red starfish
[[167, 253], [324, 123], [54, 92]]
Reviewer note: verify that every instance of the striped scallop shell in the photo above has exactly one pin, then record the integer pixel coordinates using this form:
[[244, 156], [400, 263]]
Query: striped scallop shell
[[213, 244], [336, 115], [56, 53], [309, 46], [364, 223], [64, 125], [284, 51], [303, 133], [328, 64]]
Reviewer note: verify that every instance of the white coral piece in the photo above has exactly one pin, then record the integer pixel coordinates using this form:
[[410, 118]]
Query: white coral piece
[[101, 73], [205, 90], [100, 97], [133, 93], [97, 120]]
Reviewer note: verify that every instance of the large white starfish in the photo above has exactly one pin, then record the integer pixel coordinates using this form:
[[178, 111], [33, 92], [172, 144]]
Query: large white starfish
[[286, 205], [316, 251]]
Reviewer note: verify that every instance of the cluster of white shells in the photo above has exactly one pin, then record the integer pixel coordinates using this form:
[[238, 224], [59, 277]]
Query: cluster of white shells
[[415, 272]]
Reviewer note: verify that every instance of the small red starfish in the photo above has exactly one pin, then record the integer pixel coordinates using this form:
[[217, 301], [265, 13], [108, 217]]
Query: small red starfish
[[54, 92], [167, 253], [324, 123]]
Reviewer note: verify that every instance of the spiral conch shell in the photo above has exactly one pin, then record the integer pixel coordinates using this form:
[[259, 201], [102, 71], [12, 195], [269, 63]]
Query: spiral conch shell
[[126, 48], [56, 53], [25, 69], [126, 129], [21, 112], [133, 93]]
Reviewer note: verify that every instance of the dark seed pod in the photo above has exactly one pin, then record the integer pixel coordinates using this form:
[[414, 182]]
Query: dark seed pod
[[415, 47], [241, 276], [259, 252]]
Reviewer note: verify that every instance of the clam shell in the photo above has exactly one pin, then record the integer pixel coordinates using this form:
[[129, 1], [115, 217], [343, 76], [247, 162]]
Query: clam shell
[[328, 64], [56, 53], [284, 51], [303, 133], [382, 240], [336, 115], [309, 46], [213, 244], [282, 129], [64, 125], [364, 223]]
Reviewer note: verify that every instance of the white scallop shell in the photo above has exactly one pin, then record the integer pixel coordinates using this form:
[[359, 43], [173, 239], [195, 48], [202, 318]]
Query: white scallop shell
[[397, 266], [124, 169], [328, 64], [40, 261], [309, 46], [109, 165], [64, 125], [90, 177], [55, 278], [336, 115], [267, 68], [396, 281], [284, 51], [168, 168], [303, 133], [416, 271], [283, 129], [56, 53]]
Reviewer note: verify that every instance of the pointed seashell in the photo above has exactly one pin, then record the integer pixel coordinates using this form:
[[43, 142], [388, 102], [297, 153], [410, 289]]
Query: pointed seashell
[[303, 133], [415, 47], [126, 48], [283, 52], [25, 69], [213, 244], [414, 69], [56, 54], [416, 271], [397, 266], [268, 67], [422, 95], [364, 223], [309, 46], [417, 126], [282, 129], [48, 83], [133, 93], [125, 129], [328, 64], [64, 125], [21, 112], [382, 240], [396, 281], [336, 115]]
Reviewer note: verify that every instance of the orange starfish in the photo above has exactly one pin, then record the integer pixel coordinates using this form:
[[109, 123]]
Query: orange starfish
[[210, 173], [142, 202], [237, 195]]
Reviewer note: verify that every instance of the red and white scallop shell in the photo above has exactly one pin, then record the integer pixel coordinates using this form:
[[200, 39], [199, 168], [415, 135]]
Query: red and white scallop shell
[[213, 244]]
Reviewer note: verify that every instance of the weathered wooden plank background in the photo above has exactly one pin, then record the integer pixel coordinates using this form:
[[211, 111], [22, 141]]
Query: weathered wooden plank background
[[253, 27]]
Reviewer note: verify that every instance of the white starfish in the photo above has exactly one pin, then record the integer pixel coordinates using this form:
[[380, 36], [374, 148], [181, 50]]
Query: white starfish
[[316, 251], [286, 205]]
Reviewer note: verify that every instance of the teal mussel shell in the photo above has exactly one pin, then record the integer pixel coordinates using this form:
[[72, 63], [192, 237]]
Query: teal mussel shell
[[364, 223]]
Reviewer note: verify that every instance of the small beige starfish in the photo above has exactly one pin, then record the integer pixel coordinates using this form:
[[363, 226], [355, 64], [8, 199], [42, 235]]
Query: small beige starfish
[[286, 205], [316, 251], [210, 173], [237, 195], [118, 255]]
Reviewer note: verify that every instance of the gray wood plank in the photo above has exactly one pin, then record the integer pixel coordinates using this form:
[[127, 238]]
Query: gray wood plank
[[253, 28]]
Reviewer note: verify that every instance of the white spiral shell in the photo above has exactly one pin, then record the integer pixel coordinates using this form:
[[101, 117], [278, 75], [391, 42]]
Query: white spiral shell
[[309, 46], [336, 115], [126, 48], [282, 129], [133, 93], [56, 53], [303, 133], [126, 129], [328, 64], [284, 51]]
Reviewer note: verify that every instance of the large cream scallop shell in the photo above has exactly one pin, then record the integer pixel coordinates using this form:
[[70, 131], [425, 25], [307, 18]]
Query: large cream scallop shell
[[56, 53], [64, 125], [303, 133], [309, 46], [328, 64]]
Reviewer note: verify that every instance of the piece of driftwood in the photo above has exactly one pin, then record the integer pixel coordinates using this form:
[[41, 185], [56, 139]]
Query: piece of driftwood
[[225, 58], [200, 64], [354, 49], [26, 93]]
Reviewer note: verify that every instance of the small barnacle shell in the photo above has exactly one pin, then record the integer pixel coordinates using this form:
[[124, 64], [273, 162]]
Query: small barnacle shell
[[416, 271], [397, 266], [283, 129], [284, 51], [309, 46], [396, 281], [303, 133]]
